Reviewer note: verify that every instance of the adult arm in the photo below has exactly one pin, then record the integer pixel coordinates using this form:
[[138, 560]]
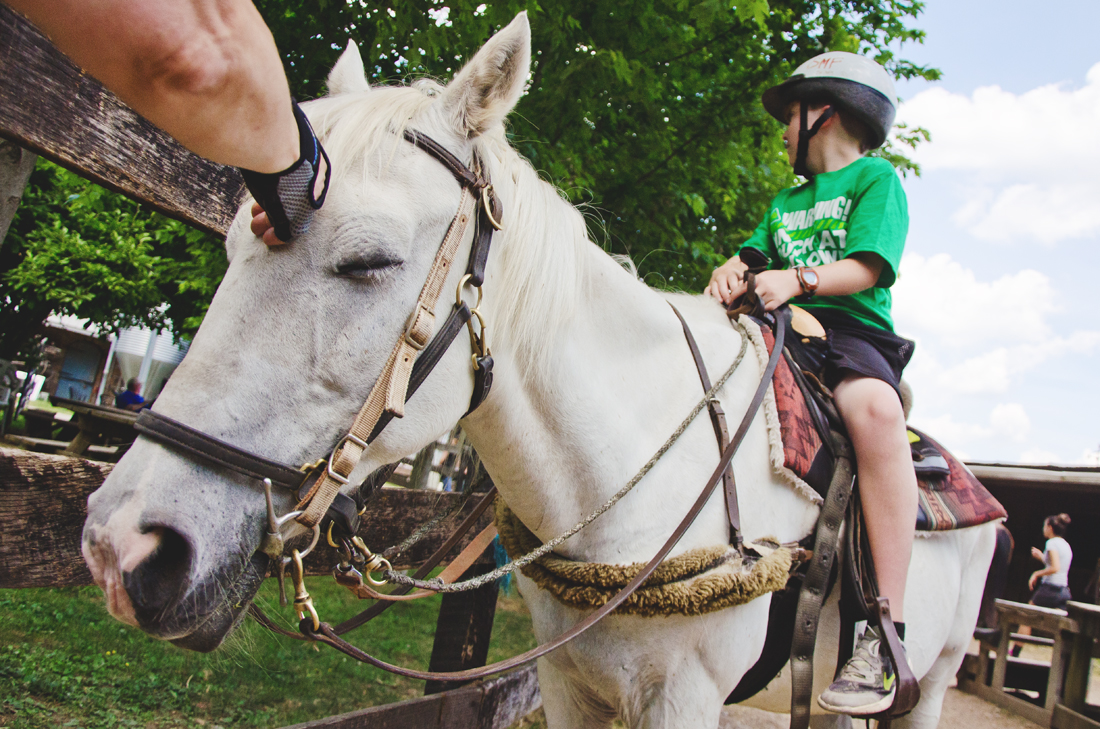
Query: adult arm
[[1052, 568], [205, 71]]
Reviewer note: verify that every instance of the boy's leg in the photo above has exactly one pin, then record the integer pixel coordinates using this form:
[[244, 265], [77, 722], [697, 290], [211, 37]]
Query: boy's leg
[[873, 415]]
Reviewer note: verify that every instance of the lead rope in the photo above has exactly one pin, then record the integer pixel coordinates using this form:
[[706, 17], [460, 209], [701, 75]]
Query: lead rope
[[438, 585]]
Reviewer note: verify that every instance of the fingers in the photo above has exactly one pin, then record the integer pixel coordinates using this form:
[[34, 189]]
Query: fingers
[[261, 226]]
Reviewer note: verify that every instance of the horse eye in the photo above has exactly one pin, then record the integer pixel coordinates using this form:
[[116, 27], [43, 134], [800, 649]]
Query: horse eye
[[371, 266]]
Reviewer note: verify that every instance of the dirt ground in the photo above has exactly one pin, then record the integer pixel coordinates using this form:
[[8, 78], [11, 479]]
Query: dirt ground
[[960, 711]]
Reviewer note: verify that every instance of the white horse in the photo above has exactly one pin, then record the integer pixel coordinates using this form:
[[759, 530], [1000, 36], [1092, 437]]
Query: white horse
[[592, 375]]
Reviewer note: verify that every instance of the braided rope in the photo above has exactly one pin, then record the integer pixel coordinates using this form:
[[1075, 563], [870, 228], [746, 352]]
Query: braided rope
[[472, 584], [432, 523]]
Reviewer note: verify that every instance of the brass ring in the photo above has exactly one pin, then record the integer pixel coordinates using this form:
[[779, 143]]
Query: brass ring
[[379, 568], [461, 285], [488, 205]]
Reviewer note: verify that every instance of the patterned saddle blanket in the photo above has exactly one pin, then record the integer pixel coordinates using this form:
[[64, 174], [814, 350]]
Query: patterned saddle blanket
[[950, 496]]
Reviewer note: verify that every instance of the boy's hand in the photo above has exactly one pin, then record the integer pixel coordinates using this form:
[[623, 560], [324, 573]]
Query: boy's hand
[[776, 287], [728, 281]]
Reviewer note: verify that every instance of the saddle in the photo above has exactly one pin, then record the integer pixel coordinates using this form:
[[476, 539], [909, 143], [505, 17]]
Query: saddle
[[813, 442]]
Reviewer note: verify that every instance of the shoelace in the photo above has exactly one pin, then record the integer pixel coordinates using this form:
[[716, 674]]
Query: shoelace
[[861, 664]]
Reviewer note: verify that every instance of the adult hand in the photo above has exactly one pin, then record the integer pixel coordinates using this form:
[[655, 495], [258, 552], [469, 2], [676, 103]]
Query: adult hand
[[262, 227], [776, 287], [1037, 554], [728, 281], [1031, 580]]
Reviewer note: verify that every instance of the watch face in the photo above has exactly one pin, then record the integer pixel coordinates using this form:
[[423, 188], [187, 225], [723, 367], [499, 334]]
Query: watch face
[[809, 276]]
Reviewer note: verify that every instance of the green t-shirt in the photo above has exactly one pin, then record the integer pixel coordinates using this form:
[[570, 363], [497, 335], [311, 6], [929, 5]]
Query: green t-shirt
[[860, 207]]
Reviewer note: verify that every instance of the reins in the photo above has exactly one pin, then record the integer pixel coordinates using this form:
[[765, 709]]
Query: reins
[[326, 634]]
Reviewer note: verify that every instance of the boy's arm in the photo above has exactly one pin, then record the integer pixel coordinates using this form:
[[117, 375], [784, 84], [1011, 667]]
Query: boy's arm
[[851, 275], [726, 279]]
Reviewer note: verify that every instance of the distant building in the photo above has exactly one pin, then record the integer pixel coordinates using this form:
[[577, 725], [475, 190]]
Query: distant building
[[85, 365]]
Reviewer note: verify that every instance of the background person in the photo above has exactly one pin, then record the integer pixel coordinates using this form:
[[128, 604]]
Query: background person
[[1053, 578], [208, 73], [130, 398]]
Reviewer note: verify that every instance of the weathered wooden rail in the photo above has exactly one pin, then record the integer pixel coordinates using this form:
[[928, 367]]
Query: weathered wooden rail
[[51, 107]]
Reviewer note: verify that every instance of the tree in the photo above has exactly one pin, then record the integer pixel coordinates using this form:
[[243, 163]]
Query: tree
[[646, 112], [76, 248]]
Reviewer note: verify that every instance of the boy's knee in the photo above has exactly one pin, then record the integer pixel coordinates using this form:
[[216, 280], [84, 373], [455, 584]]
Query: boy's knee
[[869, 405]]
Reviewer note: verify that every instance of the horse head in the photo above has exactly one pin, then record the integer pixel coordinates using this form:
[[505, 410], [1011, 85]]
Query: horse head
[[292, 343]]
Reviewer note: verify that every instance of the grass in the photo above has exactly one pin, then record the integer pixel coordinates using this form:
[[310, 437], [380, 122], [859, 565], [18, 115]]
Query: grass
[[65, 663]]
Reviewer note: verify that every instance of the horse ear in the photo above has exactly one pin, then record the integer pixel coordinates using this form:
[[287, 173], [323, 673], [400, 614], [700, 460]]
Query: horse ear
[[487, 88], [348, 74]]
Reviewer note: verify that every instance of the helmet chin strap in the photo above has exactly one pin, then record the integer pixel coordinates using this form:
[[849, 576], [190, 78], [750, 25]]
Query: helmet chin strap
[[804, 136]]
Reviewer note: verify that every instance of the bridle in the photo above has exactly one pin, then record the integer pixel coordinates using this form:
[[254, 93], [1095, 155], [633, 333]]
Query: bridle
[[317, 486]]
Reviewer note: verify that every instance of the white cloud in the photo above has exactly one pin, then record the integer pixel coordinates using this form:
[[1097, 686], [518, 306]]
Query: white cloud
[[1027, 161], [938, 296], [978, 337], [1010, 420], [1039, 456]]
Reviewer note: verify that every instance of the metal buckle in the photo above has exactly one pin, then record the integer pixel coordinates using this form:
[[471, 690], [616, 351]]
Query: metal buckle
[[408, 335], [342, 480]]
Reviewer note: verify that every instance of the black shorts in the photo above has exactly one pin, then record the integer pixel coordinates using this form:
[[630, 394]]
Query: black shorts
[[1051, 596], [861, 349]]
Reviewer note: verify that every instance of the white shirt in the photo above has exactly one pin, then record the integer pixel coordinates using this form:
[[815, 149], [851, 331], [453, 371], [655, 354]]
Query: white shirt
[[1065, 557]]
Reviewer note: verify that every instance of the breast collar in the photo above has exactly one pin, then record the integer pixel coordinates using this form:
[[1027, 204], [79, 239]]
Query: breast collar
[[317, 485]]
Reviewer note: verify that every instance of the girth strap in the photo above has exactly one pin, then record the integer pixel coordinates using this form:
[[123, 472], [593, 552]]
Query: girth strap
[[721, 431], [817, 577]]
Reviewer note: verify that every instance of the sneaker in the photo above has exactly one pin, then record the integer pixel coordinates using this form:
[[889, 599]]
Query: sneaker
[[866, 685]]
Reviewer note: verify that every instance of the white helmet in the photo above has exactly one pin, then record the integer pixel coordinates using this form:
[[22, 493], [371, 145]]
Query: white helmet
[[854, 83]]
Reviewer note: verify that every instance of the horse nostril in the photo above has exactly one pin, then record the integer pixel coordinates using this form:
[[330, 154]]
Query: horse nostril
[[160, 579]]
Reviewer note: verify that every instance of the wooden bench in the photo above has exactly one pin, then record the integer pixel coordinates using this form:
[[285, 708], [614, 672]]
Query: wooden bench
[[1061, 685], [997, 677]]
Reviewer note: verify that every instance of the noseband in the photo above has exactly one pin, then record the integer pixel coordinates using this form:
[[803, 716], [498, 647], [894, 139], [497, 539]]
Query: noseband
[[317, 485]]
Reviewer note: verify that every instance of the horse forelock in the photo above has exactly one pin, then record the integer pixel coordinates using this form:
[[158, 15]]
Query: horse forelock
[[538, 264]]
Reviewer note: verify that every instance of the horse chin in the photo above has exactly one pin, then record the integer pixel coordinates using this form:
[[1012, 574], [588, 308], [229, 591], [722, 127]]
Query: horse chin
[[203, 622]]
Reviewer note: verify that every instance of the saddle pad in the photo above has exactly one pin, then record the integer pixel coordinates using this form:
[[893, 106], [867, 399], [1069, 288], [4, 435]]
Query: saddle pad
[[953, 502]]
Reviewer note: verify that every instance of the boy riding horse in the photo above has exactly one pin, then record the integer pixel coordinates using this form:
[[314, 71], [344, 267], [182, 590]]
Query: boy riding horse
[[835, 242]]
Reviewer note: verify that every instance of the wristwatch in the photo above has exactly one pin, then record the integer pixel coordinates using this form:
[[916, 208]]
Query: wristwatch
[[807, 279]]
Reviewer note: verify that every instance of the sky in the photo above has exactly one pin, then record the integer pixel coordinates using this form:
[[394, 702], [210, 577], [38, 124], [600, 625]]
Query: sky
[[1001, 275]]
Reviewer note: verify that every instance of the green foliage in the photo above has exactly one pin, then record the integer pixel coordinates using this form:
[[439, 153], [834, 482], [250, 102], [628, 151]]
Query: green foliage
[[647, 114], [76, 248]]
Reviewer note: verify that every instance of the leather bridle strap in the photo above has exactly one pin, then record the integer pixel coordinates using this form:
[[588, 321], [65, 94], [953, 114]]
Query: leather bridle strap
[[182, 437], [390, 390], [326, 633], [721, 432]]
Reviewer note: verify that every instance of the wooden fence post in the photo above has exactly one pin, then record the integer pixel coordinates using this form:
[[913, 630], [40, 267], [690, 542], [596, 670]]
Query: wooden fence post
[[464, 627], [16, 165]]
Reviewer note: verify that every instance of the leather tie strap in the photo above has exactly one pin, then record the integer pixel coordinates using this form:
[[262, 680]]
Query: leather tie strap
[[721, 432], [816, 581]]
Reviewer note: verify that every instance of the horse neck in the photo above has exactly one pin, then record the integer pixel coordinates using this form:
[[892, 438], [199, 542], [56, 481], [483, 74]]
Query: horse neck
[[580, 405]]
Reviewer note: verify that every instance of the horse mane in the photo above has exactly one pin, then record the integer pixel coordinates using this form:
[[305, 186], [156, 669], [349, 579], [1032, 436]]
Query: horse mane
[[540, 252]]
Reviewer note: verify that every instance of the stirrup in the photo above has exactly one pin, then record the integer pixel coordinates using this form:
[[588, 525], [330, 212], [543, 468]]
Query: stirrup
[[908, 689], [288, 197]]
